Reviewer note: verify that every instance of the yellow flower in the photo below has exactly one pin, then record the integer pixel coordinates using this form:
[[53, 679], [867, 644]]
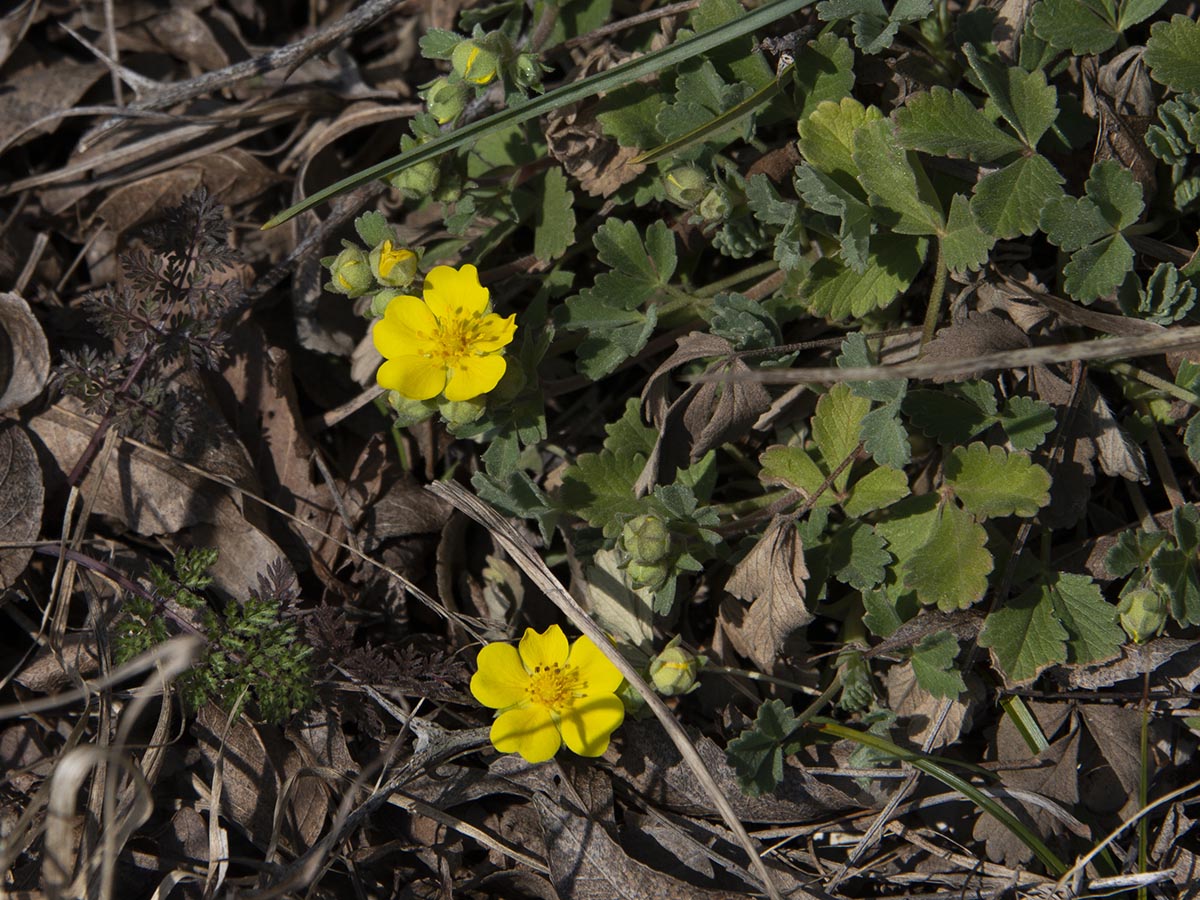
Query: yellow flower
[[393, 266], [547, 693], [451, 342]]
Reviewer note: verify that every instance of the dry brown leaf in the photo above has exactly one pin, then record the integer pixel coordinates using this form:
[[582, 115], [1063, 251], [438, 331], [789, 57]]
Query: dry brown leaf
[[772, 578], [24, 353], [1057, 779], [154, 495], [21, 499], [653, 766], [1117, 733], [179, 32], [587, 864], [48, 671], [980, 333], [25, 759], [910, 701], [1135, 661], [39, 84], [724, 411], [232, 176], [257, 763]]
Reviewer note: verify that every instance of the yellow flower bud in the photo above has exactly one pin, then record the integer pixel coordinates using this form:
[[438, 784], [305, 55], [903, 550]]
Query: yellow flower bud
[[686, 186], [350, 273], [446, 99], [674, 671], [393, 266], [1143, 614], [474, 63]]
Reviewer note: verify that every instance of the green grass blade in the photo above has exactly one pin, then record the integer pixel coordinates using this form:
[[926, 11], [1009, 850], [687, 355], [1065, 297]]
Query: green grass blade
[[759, 98], [1051, 861], [1025, 724], [608, 80]]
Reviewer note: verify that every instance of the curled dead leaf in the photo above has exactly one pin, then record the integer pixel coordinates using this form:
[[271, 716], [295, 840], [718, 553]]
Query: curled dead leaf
[[772, 576], [24, 353], [21, 499]]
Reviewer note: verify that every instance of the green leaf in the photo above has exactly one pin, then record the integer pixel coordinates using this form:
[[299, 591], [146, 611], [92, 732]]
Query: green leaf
[[881, 616], [1175, 573], [1024, 99], [1191, 439], [823, 71], [993, 483], [1134, 11], [895, 181], [884, 436], [827, 139], [757, 753], [1098, 270], [1025, 636], [856, 355], [609, 310], [946, 123], [736, 58], [951, 568], [1173, 53], [933, 665], [1132, 551], [1072, 223], [1027, 421], [949, 416], [965, 246], [908, 526], [1166, 298], [821, 193], [1008, 203], [701, 94], [1093, 634], [438, 43], [572, 92], [836, 292], [598, 487], [857, 556], [878, 488], [373, 229], [629, 116], [743, 322], [836, 426], [1116, 192], [793, 467], [554, 223], [1072, 25]]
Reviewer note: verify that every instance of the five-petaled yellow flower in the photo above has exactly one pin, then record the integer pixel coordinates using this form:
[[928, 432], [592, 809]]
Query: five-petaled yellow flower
[[547, 693], [451, 342]]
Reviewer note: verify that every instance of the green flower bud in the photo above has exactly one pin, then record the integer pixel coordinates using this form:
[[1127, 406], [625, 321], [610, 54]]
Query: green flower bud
[[642, 575], [350, 273], [674, 670], [529, 71], [647, 540], [686, 186], [462, 412], [416, 182], [446, 99], [380, 301], [1143, 614], [713, 206], [393, 266], [410, 412], [474, 63], [635, 703]]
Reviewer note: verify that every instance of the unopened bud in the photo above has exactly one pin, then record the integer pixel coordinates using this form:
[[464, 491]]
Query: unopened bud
[[686, 186], [474, 63], [647, 540], [416, 182], [642, 575], [674, 671], [1143, 613], [446, 99], [713, 206], [350, 273], [393, 266], [529, 71], [381, 299]]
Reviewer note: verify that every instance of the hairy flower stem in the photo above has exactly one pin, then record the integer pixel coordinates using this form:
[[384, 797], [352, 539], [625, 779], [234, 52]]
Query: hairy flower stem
[[937, 296]]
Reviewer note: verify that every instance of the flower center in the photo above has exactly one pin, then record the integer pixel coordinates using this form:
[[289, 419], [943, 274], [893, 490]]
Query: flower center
[[455, 338], [553, 687]]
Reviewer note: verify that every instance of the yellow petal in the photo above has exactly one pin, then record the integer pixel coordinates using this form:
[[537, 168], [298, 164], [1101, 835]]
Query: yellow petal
[[493, 332], [595, 672], [407, 328], [529, 731], [474, 375], [589, 723], [455, 293], [549, 648], [501, 680], [416, 377]]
